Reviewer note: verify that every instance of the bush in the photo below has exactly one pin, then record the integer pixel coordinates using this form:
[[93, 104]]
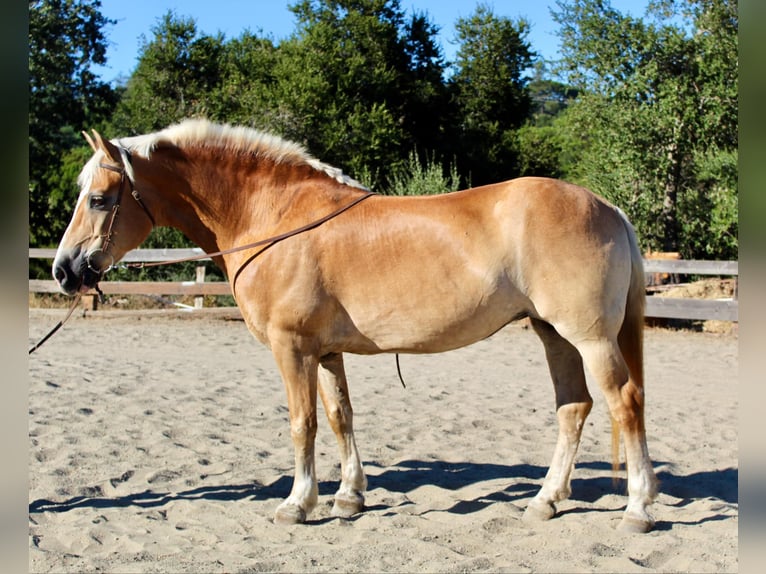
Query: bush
[[418, 179]]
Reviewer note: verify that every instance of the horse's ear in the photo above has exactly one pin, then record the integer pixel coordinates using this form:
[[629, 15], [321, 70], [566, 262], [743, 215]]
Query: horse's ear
[[90, 141], [109, 149]]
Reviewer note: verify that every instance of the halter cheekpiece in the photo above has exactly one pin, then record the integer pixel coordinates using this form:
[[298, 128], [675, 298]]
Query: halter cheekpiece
[[125, 171]]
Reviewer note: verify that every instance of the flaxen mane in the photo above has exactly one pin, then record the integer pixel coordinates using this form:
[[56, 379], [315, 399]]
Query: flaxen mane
[[236, 139]]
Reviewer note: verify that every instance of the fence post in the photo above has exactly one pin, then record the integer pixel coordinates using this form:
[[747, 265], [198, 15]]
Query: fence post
[[200, 299]]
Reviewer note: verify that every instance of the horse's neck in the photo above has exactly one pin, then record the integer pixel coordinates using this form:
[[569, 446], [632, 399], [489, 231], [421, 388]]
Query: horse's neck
[[220, 206], [178, 197]]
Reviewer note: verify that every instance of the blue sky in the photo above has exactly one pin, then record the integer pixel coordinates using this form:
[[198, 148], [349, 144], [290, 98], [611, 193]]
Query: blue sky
[[272, 17]]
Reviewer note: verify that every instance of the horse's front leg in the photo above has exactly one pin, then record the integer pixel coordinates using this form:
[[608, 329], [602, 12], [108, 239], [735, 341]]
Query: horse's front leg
[[299, 373], [333, 389]]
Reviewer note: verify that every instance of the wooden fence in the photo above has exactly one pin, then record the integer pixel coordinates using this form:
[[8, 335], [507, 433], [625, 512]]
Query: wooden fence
[[199, 287], [656, 305]]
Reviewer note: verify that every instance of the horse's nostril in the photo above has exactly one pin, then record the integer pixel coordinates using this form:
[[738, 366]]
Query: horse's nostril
[[65, 278], [59, 274]]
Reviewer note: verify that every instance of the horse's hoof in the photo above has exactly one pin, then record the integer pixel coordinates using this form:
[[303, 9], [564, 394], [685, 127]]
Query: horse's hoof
[[635, 525], [346, 505], [539, 511], [288, 514]]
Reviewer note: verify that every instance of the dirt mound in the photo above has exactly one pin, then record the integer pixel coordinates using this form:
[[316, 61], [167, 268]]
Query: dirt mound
[[704, 289], [714, 288]]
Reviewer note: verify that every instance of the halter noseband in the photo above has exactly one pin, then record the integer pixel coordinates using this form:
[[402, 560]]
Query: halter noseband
[[126, 173]]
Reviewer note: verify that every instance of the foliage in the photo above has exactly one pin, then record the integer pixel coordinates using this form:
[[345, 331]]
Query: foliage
[[711, 209], [543, 145], [65, 96], [489, 93], [356, 83], [539, 150], [642, 110], [549, 98], [247, 94], [356, 78], [658, 110], [417, 179], [175, 74]]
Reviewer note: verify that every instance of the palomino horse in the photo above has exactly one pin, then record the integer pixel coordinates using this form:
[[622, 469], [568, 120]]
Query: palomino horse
[[344, 271]]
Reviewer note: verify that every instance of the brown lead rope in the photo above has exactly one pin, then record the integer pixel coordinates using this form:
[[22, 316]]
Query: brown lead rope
[[268, 241], [58, 325]]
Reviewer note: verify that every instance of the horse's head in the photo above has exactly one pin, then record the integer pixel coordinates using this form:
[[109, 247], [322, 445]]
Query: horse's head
[[104, 225]]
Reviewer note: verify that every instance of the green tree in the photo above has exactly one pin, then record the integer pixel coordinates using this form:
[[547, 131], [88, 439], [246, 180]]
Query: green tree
[[65, 40], [549, 98], [354, 81], [357, 83], [178, 71], [539, 150], [543, 144], [490, 98], [246, 92], [424, 93], [658, 107]]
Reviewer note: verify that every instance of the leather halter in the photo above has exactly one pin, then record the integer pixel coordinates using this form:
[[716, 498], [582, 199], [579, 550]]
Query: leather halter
[[124, 176]]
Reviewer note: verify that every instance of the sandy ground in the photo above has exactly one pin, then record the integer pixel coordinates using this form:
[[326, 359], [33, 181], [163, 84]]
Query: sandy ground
[[161, 444]]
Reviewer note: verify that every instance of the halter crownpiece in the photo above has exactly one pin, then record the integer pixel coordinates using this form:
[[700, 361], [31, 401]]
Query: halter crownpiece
[[126, 172]]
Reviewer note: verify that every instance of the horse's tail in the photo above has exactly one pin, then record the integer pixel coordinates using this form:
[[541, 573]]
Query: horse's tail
[[631, 335]]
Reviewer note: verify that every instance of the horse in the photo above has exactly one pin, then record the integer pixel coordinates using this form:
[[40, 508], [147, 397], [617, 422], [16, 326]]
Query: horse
[[320, 266]]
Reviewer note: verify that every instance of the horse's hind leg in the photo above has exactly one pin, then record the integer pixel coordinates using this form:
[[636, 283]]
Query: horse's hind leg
[[333, 389], [625, 398], [573, 403]]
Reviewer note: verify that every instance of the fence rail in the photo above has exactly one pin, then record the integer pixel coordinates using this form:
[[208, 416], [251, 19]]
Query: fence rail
[[137, 255], [143, 287], [656, 305]]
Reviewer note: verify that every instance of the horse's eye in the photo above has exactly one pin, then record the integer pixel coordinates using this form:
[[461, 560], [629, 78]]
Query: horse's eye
[[97, 202]]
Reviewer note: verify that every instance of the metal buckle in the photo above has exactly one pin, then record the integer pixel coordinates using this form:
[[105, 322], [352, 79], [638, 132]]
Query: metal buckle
[[96, 269]]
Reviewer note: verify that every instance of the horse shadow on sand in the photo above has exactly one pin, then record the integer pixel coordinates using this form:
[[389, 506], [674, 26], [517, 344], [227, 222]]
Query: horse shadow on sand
[[524, 480]]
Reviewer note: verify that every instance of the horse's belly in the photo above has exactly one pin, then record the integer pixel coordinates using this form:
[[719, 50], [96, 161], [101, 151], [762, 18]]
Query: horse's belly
[[433, 324]]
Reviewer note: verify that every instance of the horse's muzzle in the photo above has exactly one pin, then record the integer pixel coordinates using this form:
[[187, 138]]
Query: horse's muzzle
[[73, 274]]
